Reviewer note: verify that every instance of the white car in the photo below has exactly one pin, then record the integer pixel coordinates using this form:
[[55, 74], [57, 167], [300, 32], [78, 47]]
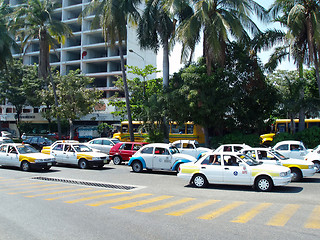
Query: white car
[[75, 153], [314, 157], [159, 156], [103, 144], [24, 156], [231, 147], [190, 147], [234, 169], [291, 149], [299, 168]]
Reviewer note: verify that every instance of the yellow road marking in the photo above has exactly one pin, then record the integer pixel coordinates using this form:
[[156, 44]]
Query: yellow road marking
[[167, 205], [284, 215], [95, 204], [139, 203], [52, 193], [192, 208], [32, 188], [314, 219], [24, 184], [44, 189], [244, 218], [95, 197], [221, 211], [77, 194]]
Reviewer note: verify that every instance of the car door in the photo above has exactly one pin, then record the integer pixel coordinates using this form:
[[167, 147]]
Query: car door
[[13, 157], [235, 171], [126, 152], [57, 152], [69, 154], [189, 149], [297, 151], [284, 150], [162, 158], [212, 169], [4, 156], [106, 146]]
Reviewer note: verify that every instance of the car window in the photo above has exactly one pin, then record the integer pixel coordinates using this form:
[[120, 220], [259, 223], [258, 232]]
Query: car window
[[231, 160], [136, 147], [147, 150], [161, 151], [23, 149], [237, 148], [82, 148], [3, 148], [99, 141], [212, 160], [106, 142], [127, 146], [227, 149], [58, 147], [296, 147], [283, 147], [12, 150], [251, 153], [187, 146], [178, 145]]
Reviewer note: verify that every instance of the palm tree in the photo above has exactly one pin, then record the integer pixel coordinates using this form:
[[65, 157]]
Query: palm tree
[[114, 16], [217, 21], [6, 41], [301, 17], [35, 20]]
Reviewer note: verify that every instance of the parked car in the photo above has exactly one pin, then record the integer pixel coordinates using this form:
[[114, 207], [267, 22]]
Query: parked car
[[299, 168], [235, 169], [122, 151], [24, 156], [314, 157], [160, 156], [190, 147], [231, 147], [74, 153], [103, 144], [38, 142], [5, 140], [291, 149]]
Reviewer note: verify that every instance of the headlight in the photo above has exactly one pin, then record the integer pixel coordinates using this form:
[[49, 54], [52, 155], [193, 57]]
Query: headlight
[[283, 174], [39, 160], [311, 166], [95, 158]]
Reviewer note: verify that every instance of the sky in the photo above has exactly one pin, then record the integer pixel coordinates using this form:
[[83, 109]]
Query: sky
[[175, 55]]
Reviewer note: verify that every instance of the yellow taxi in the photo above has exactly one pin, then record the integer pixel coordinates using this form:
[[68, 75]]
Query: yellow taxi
[[25, 157], [235, 169]]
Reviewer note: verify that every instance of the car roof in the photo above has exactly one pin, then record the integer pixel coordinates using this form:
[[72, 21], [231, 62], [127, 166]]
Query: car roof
[[289, 142]]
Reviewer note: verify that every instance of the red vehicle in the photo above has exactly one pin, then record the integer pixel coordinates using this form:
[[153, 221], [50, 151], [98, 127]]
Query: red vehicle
[[122, 151]]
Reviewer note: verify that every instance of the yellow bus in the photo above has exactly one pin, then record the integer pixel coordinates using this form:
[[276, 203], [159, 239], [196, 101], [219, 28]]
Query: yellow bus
[[284, 125], [188, 130]]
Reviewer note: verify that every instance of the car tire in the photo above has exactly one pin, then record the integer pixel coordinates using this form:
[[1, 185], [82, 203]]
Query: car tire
[[25, 166], [317, 165], [177, 168], [263, 184], [137, 167], [199, 181], [82, 164], [296, 174], [116, 160]]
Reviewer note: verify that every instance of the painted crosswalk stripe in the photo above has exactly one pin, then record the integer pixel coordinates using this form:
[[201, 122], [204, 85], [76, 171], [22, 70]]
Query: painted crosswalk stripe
[[139, 203], [281, 218], [58, 192], [77, 194], [221, 211], [164, 206], [95, 204], [314, 219], [244, 218], [41, 189], [32, 187], [193, 208], [96, 197]]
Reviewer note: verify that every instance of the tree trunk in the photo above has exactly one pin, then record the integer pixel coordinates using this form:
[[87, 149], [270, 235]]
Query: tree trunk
[[126, 91], [56, 104], [71, 135], [206, 136], [301, 99]]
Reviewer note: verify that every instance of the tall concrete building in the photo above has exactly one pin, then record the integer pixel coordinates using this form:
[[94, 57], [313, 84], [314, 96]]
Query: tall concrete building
[[87, 51]]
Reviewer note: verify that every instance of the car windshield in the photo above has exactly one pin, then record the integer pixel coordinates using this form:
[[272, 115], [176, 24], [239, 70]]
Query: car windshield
[[248, 160], [196, 144], [173, 149], [279, 155], [23, 149], [82, 148]]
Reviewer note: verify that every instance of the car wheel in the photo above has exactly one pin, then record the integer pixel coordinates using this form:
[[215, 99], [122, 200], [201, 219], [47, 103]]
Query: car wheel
[[264, 184], [296, 174], [25, 166], [116, 160], [200, 181], [137, 166], [83, 164], [177, 168], [317, 165]]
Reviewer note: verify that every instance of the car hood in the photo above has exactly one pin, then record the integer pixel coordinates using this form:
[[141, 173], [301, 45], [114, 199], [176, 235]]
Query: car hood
[[184, 156], [204, 149]]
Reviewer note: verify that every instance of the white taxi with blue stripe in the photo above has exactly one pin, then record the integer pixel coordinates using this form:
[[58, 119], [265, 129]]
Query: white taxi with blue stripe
[[235, 169], [158, 156]]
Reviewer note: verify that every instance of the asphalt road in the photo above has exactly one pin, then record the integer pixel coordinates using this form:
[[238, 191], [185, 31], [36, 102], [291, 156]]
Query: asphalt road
[[115, 203]]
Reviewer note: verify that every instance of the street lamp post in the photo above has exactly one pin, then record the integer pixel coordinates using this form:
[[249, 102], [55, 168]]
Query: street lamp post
[[144, 65]]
